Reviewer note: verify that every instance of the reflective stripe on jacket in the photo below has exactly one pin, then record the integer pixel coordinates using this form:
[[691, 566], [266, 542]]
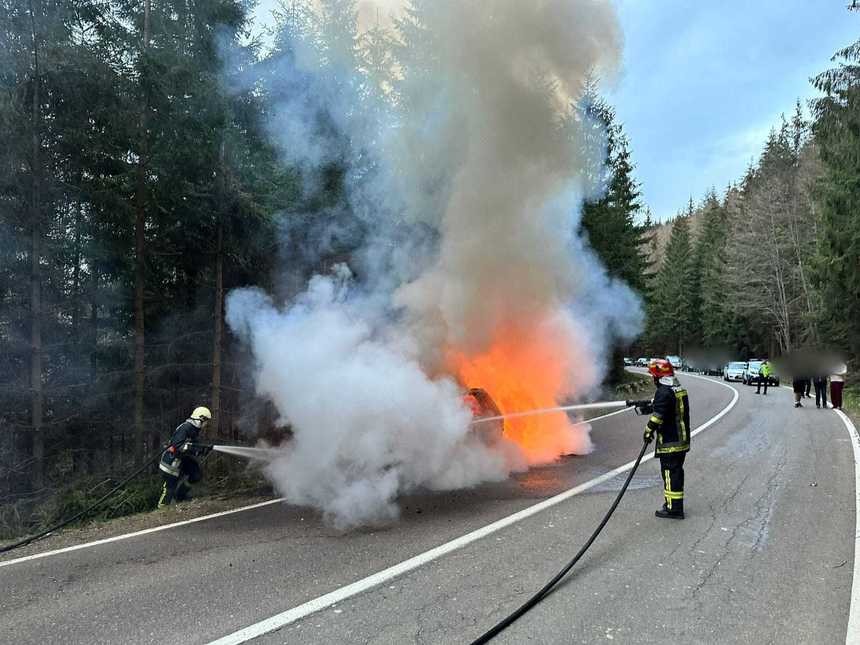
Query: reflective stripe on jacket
[[671, 419], [171, 458]]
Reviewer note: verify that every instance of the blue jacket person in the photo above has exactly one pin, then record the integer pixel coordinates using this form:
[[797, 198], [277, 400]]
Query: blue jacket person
[[178, 465]]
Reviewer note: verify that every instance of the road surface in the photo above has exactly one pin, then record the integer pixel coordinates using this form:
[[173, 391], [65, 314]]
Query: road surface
[[766, 554]]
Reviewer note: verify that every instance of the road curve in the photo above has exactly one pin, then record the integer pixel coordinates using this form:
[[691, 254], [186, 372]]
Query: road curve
[[766, 554]]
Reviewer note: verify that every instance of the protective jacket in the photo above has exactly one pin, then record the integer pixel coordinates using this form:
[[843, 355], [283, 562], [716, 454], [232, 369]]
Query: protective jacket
[[178, 448], [765, 370], [670, 419]]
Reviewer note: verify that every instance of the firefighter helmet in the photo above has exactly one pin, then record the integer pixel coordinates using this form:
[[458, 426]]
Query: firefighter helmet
[[201, 414], [660, 367]]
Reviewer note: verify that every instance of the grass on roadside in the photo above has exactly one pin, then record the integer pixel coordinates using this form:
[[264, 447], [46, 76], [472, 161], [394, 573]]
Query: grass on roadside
[[223, 477], [633, 383], [851, 401]]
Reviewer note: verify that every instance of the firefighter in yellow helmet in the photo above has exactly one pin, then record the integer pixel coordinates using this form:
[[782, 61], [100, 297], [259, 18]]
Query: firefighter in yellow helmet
[[178, 465], [670, 420]]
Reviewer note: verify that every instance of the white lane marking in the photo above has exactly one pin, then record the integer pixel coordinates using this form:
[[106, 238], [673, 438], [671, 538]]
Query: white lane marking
[[126, 536], [602, 416], [852, 635], [376, 579]]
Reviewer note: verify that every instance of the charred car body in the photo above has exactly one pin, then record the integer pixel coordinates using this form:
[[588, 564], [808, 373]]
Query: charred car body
[[488, 423]]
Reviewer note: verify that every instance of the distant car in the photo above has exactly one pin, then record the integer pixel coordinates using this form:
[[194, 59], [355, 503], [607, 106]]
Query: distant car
[[675, 361], [642, 362], [752, 371], [750, 375], [628, 361], [734, 371]]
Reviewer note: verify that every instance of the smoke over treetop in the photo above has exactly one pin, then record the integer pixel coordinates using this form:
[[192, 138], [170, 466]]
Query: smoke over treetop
[[473, 147]]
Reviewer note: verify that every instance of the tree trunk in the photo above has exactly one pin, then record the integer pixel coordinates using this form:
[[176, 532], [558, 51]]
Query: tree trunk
[[218, 342], [219, 334], [140, 261], [76, 281], [37, 400], [94, 320]]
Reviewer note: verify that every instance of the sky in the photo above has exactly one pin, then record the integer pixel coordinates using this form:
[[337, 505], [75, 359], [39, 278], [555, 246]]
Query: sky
[[703, 82]]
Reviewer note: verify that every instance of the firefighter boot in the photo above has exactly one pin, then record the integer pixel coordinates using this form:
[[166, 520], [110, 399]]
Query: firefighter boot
[[183, 492], [674, 513]]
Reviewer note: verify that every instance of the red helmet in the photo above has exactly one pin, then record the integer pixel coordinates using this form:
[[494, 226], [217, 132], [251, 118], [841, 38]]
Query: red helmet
[[660, 367]]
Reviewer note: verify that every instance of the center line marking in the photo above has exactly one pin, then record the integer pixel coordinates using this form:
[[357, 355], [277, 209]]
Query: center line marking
[[338, 595]]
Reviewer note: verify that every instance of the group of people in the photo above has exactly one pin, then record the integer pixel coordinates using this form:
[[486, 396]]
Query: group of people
[[802, 386]]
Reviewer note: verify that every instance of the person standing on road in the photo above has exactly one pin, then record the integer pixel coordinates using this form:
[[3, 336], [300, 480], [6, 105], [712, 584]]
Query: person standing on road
[[837, 382], [178, 464], [764, 373], [820, 383], [670, 421], [798, 384]]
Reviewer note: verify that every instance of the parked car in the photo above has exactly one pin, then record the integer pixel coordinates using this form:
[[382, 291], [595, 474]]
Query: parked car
[[628, 361], [734, 371], [642, 362], [675, 361], [750, 374], [712, 370]]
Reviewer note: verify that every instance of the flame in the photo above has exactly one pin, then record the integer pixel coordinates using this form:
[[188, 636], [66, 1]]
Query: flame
[[530, 369]]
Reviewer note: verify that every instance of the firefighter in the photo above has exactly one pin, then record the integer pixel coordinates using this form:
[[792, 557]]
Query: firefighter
[[670, 421], [178, 464]]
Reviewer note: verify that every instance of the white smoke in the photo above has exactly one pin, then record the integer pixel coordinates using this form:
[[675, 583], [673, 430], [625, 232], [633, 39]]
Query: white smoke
[[369, 423], [468, 189]]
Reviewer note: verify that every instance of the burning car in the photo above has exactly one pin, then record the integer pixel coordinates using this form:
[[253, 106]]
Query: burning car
[[481, 404]]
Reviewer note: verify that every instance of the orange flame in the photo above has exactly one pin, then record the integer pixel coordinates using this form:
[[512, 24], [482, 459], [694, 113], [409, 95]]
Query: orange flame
[[530, 370]]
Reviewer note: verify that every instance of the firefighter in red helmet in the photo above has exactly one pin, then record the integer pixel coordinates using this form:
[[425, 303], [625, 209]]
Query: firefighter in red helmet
[[670, 422]]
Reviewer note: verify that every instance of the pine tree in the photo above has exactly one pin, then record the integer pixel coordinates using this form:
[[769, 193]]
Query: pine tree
[[837, 134], [714, 313], [610, 221], [670, 314]]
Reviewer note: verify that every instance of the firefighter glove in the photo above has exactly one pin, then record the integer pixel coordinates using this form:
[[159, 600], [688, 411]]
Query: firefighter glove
[[653, 424], [199, 449], [645, 406]]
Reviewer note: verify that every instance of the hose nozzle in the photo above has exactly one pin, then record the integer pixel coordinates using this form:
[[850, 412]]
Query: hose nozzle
[[644, 406]]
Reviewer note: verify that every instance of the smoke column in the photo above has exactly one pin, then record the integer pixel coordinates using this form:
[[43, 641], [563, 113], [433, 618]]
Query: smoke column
[[471, 270]]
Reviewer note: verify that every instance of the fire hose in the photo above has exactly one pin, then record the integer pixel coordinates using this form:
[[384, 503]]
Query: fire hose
[[202, 448], [86, 511], [641, 407]]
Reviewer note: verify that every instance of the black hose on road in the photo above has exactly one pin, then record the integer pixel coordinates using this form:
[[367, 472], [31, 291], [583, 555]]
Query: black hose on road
[[540, 595], [86, 511]]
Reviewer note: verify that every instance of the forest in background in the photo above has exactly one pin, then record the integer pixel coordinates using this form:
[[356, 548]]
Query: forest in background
[[771, 266], [139, 184]]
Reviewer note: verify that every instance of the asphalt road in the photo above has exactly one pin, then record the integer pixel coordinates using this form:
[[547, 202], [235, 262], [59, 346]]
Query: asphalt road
[[764, 556]]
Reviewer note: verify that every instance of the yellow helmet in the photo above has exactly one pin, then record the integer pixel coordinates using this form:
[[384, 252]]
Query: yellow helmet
[[201, 414]]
